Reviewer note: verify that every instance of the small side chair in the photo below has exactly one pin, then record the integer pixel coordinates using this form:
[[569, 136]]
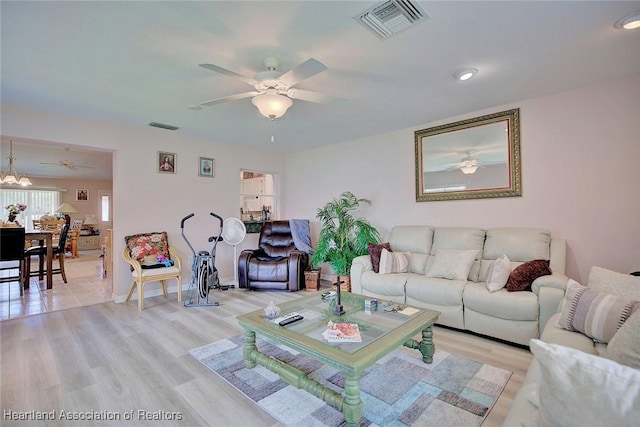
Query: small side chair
[[152, 260]]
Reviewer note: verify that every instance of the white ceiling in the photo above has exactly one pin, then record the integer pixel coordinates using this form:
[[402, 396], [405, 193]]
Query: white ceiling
[[136, 62]]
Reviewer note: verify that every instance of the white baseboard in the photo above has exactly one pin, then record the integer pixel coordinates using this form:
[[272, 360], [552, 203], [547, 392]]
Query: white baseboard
[[157, 290]]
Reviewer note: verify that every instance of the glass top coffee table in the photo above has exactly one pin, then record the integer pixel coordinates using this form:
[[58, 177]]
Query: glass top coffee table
[[381, 332]]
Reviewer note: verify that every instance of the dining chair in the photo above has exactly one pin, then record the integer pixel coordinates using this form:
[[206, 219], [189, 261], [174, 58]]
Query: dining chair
[[72, 238], [58, 251], [11, 250]]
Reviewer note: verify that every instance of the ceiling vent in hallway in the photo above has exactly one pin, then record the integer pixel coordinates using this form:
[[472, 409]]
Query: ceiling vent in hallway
[[391, 17], [163, 126]]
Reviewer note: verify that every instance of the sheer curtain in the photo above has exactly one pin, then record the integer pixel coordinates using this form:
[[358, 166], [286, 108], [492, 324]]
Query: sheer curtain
[[39, 203]]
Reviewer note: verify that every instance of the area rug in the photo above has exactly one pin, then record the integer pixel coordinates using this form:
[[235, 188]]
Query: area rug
[[399, 390]]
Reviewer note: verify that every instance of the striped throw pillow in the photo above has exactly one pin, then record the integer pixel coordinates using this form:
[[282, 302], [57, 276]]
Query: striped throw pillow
[[597, 315]]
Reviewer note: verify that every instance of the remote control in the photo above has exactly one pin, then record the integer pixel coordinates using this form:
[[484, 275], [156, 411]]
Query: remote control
[[286, 316], [290, 320]]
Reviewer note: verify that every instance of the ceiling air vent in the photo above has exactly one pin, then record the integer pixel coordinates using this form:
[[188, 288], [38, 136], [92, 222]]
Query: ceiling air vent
[[391, 17], [163, 126]]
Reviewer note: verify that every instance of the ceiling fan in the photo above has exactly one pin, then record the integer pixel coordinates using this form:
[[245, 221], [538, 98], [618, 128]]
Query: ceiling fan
[[66, 163], [274, 91], [468, 165]]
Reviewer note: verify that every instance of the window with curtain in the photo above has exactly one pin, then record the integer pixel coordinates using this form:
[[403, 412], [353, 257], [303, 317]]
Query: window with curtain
[[39, 203]]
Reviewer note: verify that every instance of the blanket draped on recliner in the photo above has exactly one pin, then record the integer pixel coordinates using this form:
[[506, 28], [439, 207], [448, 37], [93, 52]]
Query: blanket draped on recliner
[[301, 234]]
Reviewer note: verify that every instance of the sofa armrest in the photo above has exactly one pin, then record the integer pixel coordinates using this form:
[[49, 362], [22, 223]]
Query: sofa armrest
[[549, 303], [555, 280], [359, 265]]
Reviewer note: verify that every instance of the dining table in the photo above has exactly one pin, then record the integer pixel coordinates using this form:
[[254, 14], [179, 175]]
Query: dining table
[[45, 238]]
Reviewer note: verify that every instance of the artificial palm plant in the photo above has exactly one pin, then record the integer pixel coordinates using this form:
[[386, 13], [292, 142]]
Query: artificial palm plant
[[343, 235]]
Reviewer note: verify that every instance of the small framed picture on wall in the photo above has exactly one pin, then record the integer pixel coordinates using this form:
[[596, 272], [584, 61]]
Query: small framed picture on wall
[[166, 162], [207, 167], [82, 194]]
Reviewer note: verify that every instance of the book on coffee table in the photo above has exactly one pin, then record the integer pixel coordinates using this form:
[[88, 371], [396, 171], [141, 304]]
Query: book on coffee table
[[342, 332]]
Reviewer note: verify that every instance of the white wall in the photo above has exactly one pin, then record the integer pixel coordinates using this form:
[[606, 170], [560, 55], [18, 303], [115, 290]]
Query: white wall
[[580, 175], [145, 200]]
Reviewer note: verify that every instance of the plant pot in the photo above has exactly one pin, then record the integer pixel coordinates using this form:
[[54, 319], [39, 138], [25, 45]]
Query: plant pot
[[345, 283], [312, 280]]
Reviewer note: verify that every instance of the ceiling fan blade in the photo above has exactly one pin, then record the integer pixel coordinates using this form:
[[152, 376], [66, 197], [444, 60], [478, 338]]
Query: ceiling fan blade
[[307, 69], [307, 95], [229, 73], [230, 98]]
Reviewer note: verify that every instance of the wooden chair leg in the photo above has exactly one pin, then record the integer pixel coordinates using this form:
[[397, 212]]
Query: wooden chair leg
[[41, 267], [163, 283], [179, 289], [61, 262], [27, 272], [141, 296], [133, 286]]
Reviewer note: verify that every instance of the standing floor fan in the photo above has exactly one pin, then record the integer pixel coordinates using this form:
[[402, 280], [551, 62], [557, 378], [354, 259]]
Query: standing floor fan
[[233, 233], [204, 274]]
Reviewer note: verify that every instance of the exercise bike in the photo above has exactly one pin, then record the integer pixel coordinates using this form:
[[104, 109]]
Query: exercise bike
[[204, 274]]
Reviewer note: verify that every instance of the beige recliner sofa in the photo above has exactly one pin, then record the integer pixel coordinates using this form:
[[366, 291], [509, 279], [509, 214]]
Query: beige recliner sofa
[[467, 304]]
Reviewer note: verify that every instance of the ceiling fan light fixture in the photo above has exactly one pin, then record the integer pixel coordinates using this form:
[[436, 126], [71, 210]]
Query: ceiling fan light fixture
[[271, 104], [468, 170], [9, 175], [629, 22], [465, 74]]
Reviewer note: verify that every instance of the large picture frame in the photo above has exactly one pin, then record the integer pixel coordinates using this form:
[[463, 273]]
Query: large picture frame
[[166, 162], [469, 159], [207, 167]]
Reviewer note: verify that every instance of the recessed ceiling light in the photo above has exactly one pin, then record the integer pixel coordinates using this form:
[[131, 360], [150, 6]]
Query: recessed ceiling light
[[465, 74], [629, 22]]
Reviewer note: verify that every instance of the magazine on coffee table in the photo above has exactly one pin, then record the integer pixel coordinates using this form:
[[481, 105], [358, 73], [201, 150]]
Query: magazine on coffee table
[[342, 332]]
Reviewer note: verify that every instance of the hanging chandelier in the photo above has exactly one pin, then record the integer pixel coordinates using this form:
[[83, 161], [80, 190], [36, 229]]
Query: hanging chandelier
[[9, 175]]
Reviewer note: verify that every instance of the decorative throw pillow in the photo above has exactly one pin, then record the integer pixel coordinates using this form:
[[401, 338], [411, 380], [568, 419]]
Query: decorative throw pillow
[[394, 262], [453, 264], [375, 250], [624, 347], [147, 247], [498, 274], [521, 277], [581, 389], [597, 315], [615, 283]]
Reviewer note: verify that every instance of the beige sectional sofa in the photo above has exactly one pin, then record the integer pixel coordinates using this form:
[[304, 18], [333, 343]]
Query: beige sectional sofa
[[581, 381], [467, 304]]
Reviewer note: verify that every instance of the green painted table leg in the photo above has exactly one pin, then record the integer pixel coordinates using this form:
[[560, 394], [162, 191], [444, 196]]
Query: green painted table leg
[[426, 346], [249, 349], [352, 404]]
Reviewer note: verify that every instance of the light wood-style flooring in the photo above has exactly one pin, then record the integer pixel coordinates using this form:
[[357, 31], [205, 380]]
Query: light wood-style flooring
[[111, 357]]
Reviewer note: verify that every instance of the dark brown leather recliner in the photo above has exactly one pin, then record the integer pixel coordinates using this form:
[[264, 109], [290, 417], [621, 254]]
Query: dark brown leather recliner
[[277, 264]]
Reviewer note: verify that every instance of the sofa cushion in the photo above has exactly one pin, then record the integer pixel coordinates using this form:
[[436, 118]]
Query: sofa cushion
[[435, 290], [394, 262], [411, 238], [595, 314], [498, 274], [624, 347], [615, 283], [375, 250], [388, 285], [554, 334], [501, 304], [519, 244], [581, 389], [452, 264], [523, 275]]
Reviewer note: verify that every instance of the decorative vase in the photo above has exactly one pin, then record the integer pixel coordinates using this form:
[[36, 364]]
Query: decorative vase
[[312, 280], [12, 217], [345, 283]]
